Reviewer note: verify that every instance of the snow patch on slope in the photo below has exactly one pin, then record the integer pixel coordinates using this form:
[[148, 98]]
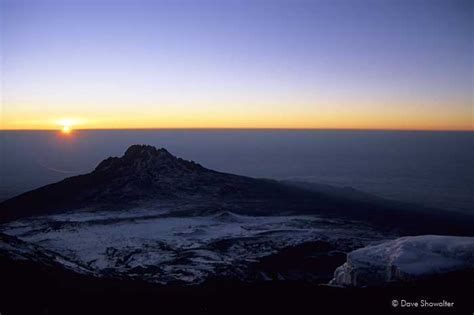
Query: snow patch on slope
[[162, 248]]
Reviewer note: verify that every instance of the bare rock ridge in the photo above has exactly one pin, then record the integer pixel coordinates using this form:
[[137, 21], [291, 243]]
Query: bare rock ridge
[[146, 158], [16, 250], [143, 174]]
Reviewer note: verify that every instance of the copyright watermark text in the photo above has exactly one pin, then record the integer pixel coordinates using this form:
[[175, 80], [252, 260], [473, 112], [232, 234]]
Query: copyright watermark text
[[421, 304]]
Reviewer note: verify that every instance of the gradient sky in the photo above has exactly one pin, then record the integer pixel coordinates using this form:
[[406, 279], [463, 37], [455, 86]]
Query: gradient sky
[[257, 64]]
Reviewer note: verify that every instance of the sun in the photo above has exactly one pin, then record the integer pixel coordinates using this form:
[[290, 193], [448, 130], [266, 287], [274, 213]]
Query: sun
[[67, 124], [66, 129]]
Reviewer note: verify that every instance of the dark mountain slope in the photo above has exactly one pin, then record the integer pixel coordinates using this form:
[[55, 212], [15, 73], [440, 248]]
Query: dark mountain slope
[[145, 175]]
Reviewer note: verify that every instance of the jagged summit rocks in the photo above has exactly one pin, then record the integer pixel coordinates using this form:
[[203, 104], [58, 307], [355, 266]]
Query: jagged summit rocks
[[143, 150], [146, 158]]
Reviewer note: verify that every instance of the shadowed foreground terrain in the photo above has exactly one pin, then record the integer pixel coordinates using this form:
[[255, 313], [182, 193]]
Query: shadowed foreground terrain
[[32, 289], [149, 232]]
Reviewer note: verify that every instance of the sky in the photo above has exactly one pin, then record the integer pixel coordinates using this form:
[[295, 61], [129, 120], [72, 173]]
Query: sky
[[388, 64]]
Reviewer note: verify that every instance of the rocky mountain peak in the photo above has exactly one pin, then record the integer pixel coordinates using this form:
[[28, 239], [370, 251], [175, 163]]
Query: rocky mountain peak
[[140, 151], [142, 175], [146, 158]]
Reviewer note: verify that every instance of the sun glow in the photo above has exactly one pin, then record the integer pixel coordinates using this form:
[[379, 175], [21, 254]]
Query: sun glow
[[66, 129], [67, 124]]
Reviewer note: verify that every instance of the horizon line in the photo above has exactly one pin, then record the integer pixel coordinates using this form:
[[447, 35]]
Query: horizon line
[[242, 128]]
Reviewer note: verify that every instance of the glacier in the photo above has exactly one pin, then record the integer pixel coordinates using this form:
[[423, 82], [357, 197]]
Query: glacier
[[405, 259]]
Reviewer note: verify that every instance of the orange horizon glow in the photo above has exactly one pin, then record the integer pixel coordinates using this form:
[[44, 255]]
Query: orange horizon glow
[[237, 128], [68, 129], [414, 120]]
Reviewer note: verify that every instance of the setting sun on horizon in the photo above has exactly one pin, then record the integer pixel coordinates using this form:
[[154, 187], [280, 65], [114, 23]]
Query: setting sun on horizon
[[67, 124]]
